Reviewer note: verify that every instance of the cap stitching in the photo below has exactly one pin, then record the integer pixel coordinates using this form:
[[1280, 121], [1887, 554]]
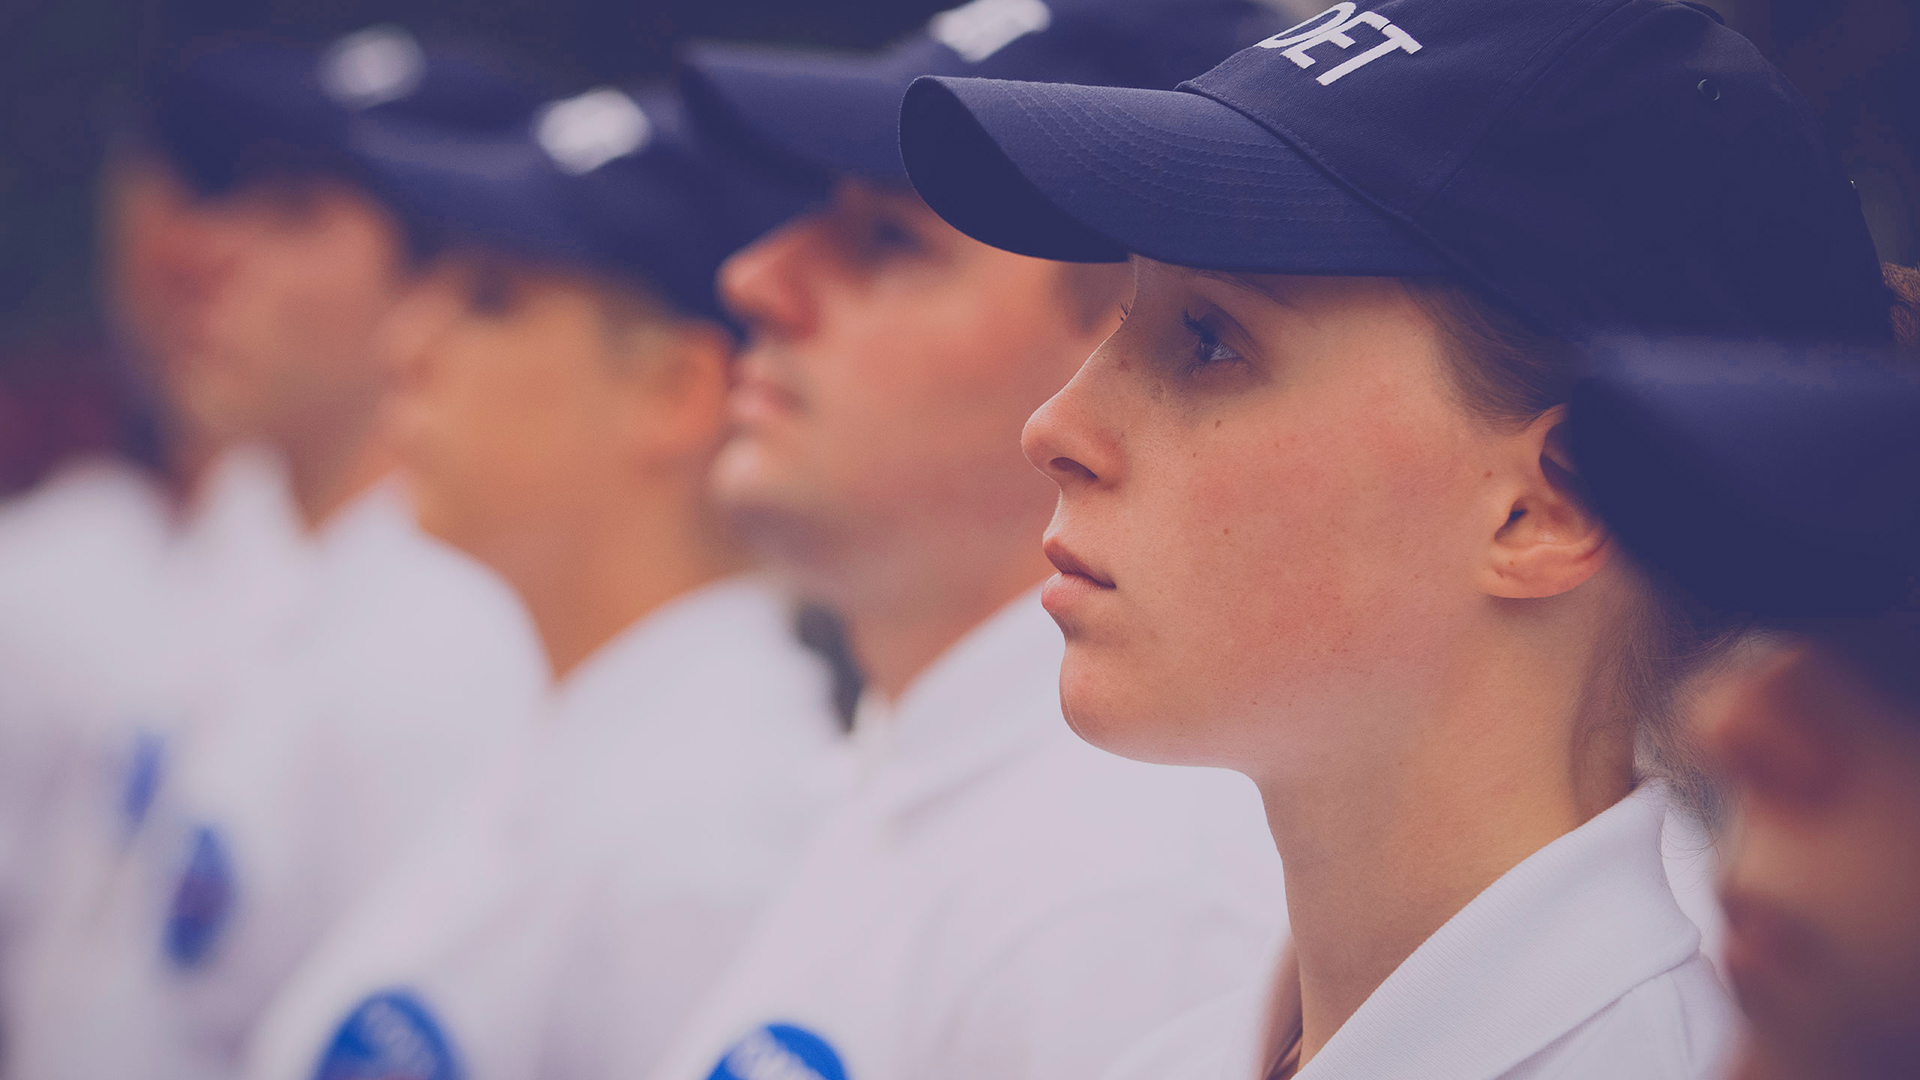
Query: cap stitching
[[1083, 153]]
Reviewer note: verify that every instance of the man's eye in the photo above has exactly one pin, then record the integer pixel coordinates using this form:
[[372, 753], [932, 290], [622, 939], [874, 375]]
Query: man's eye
[[1208, 349], [887, 236], [490, 291]]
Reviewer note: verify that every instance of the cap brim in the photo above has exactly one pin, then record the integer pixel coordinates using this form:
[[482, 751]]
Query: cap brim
[[1091, 174], [1765, 481], [806, 116]]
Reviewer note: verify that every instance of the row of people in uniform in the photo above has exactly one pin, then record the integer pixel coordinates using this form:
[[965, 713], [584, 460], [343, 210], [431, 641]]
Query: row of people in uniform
[[1318, 522]]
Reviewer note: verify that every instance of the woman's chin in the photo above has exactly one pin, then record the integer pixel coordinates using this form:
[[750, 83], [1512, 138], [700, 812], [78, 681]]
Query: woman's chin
[[1110, 712]]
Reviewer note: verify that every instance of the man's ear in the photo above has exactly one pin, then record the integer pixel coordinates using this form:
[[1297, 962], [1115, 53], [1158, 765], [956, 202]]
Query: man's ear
[[678, 392], [1547, 541]]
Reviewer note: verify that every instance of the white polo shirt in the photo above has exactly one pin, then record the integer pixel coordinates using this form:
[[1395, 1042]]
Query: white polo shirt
[[997, 899], [288, 791], [564, 919], [1576, 965]]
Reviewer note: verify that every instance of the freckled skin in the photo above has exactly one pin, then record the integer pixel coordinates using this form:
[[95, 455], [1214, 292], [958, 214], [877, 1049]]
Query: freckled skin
[[1287, 533]]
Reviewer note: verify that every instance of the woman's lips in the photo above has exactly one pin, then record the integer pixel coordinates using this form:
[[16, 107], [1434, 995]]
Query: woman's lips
[[1071, 565]]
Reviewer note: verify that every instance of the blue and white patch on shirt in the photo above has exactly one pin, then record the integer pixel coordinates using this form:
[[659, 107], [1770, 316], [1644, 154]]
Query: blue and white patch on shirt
[[203, 900], [780, 1052], [392, 1035], [146, 762]]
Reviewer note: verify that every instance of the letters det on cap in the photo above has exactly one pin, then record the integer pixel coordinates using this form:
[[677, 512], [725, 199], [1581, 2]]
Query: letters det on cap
[[1596, 164], [811, 115]]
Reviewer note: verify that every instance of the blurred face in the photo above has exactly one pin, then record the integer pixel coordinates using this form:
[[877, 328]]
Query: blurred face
[[291, 278], [893, 361], [1270, 502], [509, 412], [1823, 880], [149, 250]]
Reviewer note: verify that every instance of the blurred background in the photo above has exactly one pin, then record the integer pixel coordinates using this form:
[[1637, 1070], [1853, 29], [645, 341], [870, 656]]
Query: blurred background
[[68, 69]]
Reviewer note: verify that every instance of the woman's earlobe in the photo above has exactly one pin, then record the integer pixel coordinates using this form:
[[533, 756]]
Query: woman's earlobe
[[1551, 541]]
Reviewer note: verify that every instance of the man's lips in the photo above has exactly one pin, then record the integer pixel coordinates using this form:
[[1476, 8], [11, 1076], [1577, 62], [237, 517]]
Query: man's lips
[[1070, 564], [1766, 942], [757, 397]]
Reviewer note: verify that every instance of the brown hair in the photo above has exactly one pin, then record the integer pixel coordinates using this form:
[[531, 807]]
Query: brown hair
[[1508, 374], [1905, 283]]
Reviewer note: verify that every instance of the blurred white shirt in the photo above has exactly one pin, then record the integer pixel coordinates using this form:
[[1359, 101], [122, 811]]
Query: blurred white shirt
[[1578, 964], [395, 667], [82, 606], [112, 600], [560, 923], [997, 899]]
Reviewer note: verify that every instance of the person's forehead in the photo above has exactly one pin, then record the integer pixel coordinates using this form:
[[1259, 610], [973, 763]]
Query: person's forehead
[[854, 192], [1270, 288]]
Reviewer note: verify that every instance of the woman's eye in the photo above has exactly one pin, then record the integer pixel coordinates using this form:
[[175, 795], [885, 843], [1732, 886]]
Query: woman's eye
[[1208, 349]]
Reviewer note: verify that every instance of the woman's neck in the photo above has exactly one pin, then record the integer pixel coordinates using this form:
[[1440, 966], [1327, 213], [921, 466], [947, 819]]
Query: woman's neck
[[1380, 856]]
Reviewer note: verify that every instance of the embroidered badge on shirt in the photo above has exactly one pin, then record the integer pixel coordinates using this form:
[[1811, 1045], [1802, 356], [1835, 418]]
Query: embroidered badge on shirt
[[144, 769], [391, 1036], [780, 1052], [202, 902]]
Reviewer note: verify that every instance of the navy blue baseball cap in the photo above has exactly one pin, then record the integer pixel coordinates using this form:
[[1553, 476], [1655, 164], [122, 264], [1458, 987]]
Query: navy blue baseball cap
[[1598, 165], [609, 181], [1777, 482], [814, 115], [238, 109]]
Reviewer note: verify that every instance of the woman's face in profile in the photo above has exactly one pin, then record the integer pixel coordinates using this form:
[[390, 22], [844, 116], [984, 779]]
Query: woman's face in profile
[[1271, 501]]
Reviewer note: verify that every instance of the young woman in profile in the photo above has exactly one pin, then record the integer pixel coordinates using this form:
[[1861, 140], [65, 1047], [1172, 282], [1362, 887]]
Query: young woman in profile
[[1318, 522]]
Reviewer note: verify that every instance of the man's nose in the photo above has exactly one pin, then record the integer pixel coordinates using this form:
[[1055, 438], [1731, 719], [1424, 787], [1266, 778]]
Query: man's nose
[[766, 283]]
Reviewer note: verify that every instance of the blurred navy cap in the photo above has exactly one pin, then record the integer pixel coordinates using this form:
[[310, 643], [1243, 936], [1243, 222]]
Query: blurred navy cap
[[238, 109], [814, 115], [1624, 165], [1772, 481], [608, 181]]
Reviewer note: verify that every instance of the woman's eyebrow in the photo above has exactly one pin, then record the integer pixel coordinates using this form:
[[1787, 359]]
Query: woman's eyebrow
[[1241, 282]]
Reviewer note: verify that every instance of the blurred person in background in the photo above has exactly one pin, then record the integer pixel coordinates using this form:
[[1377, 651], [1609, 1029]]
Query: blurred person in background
[[125, 586], [995, 898], [564, 382], [394, 663], [1782, 484]]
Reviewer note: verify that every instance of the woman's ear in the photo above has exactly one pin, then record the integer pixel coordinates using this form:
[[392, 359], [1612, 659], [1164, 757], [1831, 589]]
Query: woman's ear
[[1548, 541]]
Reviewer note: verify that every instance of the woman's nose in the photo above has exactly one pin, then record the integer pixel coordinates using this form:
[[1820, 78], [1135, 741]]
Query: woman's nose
[[1065, 438]]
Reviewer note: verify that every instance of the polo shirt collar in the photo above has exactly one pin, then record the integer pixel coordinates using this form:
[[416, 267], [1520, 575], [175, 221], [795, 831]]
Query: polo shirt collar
[[672, 650], [1550, 944]]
